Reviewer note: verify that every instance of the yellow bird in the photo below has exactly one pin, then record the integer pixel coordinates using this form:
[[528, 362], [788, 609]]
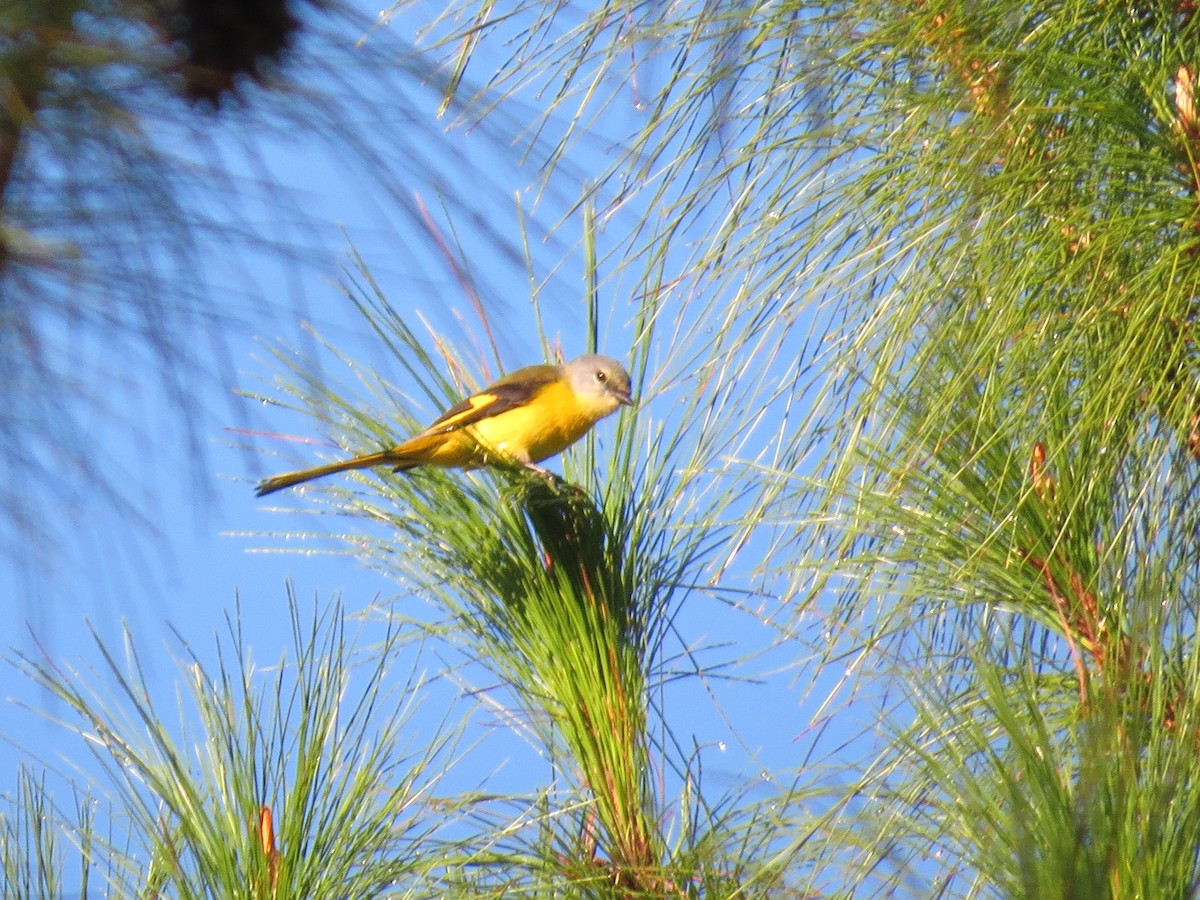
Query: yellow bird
[[525, 417]]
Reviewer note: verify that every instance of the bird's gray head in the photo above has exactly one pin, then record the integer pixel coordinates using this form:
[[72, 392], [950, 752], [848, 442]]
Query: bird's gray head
[[599, 382]]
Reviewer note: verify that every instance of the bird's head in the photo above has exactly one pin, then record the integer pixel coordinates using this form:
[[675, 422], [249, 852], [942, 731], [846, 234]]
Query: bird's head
[[600, 383]]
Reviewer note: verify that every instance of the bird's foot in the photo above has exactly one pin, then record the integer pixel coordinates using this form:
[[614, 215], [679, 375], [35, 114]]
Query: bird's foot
[[544, 473]]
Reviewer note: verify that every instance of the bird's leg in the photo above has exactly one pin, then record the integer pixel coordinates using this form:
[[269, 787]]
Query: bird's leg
[[557, 485], [544, 473]]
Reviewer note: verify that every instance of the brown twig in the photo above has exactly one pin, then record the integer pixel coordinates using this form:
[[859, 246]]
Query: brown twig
[[1078, 608], [1187, 125], [266, 840]]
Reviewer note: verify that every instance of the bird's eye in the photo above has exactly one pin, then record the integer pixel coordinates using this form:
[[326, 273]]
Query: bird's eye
[[601, 376]]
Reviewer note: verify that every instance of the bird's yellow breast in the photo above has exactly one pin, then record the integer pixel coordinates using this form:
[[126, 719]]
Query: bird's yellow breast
[[550, 422]]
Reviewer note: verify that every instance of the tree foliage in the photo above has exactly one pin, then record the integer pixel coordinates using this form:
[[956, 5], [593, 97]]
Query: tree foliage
[[992, 206]]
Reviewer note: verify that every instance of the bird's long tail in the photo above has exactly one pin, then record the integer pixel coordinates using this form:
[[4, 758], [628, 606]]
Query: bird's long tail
[[290, 479]]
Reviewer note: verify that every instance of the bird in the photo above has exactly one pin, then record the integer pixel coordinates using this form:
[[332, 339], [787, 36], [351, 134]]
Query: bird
[[523, 418]]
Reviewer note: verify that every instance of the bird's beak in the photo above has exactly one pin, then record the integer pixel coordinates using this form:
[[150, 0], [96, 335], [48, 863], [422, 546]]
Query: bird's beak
[[624, 398]]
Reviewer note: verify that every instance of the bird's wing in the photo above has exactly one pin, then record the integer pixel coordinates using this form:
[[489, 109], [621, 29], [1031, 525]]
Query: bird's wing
[[513, 390]]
